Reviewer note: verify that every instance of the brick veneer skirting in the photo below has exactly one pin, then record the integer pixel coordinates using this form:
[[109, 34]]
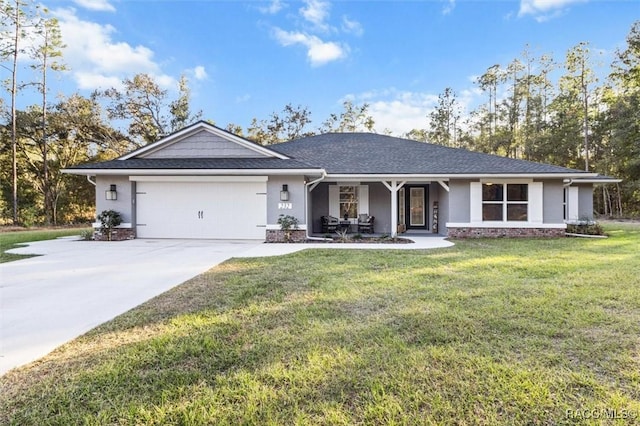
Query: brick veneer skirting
[[504, 232], [117, 234], [278, 236]]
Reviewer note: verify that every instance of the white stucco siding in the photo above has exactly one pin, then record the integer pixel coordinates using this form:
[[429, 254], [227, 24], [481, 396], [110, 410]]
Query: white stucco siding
[[295, 206], [122, 204]]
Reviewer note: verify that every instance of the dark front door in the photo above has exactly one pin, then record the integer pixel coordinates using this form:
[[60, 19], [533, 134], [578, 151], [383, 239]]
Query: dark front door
[[416, 206]]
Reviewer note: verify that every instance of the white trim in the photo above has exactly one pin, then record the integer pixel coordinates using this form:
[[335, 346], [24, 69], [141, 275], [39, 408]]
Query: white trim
[[189, 172], [507, 181], [610, 180], [277, 227], [535, 213], [502, 225], [199, 178], [329, 178], [334, 200], [127, 225], [573, 200], [475, 202], [175, 137], [444, 185], [443, 176], [363, 199]]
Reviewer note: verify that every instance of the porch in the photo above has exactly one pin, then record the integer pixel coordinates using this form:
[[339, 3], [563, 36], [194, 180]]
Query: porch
[[413, 206]]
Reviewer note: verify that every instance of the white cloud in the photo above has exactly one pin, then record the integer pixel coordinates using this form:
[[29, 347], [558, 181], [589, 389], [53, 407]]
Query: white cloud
[[274, 7], [200, 73], [316, 12], [352, 27], [96, 60], [403, 111], [91, 80], [544, 10], [448, 7], [397, 111], [242, 99], [318, 52], [97, 5]]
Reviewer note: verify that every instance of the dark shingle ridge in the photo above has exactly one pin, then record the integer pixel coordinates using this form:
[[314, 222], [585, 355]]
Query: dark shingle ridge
[[370, 153], [196, 163]]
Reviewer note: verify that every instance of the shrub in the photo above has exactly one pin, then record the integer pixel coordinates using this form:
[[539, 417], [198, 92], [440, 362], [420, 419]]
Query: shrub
[[109, 219], [86, 235], [287, 223], [585, 228]]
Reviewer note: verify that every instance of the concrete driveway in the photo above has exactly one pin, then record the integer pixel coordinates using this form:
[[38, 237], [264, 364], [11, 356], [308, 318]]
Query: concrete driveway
[[48, 300]]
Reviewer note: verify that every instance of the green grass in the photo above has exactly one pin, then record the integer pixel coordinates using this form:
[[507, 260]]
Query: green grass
[[10, 240], [513, 332]]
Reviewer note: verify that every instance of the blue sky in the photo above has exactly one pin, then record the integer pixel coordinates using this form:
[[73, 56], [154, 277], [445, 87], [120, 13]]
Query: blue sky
[[249, 59]]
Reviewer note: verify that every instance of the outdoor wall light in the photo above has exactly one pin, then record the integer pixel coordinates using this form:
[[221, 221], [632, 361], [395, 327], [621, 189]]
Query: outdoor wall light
[[284, 194], [111, 193]]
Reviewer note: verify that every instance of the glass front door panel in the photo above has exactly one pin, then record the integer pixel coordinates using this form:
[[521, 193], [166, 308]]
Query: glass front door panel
[[416, 204]]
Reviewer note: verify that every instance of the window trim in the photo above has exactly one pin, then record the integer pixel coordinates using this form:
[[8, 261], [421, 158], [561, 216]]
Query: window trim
[[505, 201]]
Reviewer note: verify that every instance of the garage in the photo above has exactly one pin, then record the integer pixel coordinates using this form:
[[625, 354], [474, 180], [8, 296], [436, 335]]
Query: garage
[[201, 207]]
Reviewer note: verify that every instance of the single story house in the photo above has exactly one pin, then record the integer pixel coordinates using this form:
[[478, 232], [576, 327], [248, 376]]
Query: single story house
[[204, 182]]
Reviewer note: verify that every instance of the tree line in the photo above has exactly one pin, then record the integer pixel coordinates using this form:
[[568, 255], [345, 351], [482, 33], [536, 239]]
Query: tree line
[[572, 120]]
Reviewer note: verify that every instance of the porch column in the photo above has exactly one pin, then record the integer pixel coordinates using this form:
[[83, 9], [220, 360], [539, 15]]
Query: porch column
[[394, 186]]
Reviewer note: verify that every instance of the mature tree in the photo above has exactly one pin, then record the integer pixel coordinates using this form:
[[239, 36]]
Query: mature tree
[[421, 135], [619, 130], [236, 129], [354, 118], [75, 134], [579, 79], [47, 53], [145, 105], [290, 124], [179, 109], [14, 16], [444, 119], [488, 82]]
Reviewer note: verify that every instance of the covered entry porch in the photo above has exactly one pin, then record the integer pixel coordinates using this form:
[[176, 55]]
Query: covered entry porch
[[398, 206]]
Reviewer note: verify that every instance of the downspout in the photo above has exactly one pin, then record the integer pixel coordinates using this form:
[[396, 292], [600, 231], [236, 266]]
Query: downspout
[[306, 204], [90, 181]]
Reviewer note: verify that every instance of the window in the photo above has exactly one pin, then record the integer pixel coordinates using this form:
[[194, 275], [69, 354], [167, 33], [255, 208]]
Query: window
[[349, 201], [506, 201]]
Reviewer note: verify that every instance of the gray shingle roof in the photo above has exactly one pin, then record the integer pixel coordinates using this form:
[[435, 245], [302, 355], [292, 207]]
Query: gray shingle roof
[[368, 153], [195, 163], [352, 153]]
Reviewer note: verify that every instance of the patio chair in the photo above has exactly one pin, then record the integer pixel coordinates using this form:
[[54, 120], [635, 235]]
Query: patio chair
[[365, 223], [329, 224]]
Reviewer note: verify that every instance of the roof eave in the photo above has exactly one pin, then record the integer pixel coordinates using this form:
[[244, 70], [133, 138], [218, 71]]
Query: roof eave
[[596, 180], [445, 176], [191, 172]]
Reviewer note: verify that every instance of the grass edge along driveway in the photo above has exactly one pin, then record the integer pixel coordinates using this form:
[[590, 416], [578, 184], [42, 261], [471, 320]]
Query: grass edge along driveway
[[485, 332], [15, 239]]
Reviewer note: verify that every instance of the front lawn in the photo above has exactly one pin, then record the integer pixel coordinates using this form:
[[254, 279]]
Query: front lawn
[[15, 239], [512, 332]]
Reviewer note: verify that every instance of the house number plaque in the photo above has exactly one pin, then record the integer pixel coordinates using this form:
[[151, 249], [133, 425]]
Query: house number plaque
[[285, 206]]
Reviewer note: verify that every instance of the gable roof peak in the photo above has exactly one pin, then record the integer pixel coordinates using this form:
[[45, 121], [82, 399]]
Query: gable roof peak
[[200, 126]]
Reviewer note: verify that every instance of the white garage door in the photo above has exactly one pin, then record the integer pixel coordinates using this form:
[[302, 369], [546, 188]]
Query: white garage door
[[223, 210]]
